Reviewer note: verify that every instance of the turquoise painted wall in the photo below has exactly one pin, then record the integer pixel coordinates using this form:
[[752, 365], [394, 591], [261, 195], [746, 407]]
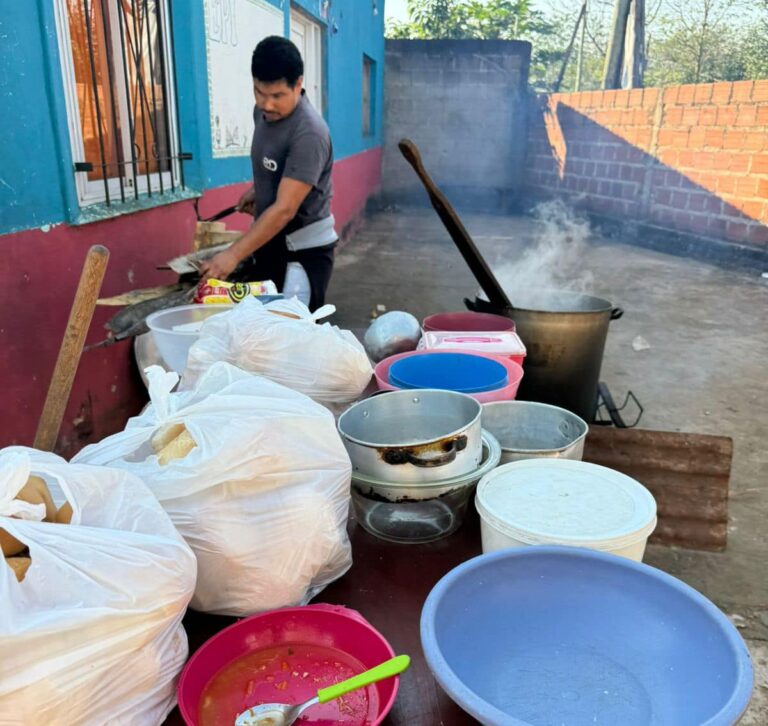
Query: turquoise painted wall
[[36, 179]]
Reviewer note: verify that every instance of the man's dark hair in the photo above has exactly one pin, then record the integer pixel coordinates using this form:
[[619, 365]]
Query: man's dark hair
[[277, 59]]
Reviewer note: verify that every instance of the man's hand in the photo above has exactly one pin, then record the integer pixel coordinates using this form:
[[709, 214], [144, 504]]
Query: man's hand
[[245, 205], [220, 266]]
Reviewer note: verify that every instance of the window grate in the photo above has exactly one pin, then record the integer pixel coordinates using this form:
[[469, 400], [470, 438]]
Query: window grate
[[124, 90]]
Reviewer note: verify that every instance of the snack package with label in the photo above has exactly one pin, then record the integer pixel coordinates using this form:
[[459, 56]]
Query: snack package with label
[[94, 584], [254, 476], [221, 292], [284, 341]]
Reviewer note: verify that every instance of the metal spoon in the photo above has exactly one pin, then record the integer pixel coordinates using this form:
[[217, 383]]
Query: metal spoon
[[283, 714]]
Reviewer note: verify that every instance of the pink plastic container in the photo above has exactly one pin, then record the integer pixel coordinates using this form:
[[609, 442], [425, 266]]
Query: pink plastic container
[[343, 633], [466, 321], [507, 393]]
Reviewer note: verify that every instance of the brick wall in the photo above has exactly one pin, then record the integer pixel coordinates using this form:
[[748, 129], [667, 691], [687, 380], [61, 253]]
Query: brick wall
[[689, 159], [464, 103]]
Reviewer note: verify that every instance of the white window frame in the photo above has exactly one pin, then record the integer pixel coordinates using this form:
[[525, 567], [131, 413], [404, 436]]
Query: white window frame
[[312, 52], [92, 191]]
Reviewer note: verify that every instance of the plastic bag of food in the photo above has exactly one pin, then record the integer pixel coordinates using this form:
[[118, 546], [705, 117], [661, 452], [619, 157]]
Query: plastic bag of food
[[253, 475], [222, 292], [90, 624], [282, 341]]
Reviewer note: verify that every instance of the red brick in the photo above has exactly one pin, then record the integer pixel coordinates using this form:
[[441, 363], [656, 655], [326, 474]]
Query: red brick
[[703, 160], [713, 205], [666, 137], [673, 115], [746, 187], [721, 92], [697, 202], [762, 188], [762, 115], [644, 137], [716, 226], [679, 200], [758, 234], [622, 99], [734, 140], [708, 115], [726, 185], [668, 157], [691, 116], [635, 98], [713, 138], [670, 95], [742, 91], [747, 115], [699, 223], [686, 94], [685, 159], [703, 92], [662, 196], [753, 210], [697, 137], [726, 116], [755, 140], [759, 164], [739, 162], [722, 161], [736, 231], [650, 97], [708, 181], [760, 91], [681, 220], [640, 117]]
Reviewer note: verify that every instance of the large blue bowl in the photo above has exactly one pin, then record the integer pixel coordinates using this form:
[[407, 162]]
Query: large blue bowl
[[560, 635]]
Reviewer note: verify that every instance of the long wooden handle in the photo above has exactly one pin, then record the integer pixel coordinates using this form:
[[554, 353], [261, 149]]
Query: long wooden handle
[[456, 229], [80, 317]]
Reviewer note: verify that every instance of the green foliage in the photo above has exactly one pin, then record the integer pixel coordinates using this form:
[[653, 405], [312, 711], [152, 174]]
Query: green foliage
[[687, 41]]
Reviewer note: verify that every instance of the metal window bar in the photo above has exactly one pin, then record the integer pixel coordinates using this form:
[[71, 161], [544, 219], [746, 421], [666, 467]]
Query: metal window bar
[[140, 65]]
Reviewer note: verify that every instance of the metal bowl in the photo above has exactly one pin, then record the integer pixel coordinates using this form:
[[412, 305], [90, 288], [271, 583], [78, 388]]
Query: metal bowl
[[394, 332]]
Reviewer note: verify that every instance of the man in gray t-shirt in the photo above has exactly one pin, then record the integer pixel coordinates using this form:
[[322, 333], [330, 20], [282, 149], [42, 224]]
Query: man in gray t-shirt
[[292, 239]]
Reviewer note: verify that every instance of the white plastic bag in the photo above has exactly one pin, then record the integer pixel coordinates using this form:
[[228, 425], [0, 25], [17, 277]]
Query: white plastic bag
[[262, 499], [93, 633], [327, 364]]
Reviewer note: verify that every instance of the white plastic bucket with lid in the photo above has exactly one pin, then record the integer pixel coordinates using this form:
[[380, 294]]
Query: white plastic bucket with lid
[[564, 502]]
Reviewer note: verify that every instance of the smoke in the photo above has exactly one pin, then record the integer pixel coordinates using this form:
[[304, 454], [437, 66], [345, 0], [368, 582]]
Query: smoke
[[554, 261]]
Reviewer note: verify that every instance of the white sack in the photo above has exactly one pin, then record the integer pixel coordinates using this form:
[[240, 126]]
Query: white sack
[[327, 364], [262, 499], [93, 633]]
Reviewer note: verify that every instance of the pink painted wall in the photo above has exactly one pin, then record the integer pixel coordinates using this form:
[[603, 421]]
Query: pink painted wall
[[39, 272]]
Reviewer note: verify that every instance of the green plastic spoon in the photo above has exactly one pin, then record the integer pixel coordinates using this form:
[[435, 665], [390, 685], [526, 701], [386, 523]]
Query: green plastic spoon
[[283, 714]]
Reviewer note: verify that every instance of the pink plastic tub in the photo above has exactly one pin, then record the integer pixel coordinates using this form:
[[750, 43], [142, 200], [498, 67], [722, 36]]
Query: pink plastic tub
[[305, 649], [466, 321], [507, 393]]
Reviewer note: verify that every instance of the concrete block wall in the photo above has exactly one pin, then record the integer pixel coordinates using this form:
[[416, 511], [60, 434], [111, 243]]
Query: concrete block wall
[[463, 102], [691, 160]]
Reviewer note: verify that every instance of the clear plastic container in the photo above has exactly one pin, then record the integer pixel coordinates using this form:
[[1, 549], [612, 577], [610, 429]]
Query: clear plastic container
[[419, 512], [175, 330]]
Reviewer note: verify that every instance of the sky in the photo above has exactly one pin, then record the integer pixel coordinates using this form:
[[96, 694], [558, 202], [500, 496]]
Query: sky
[[395, 9]]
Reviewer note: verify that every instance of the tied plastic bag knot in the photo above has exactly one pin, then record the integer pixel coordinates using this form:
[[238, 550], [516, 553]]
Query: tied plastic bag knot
[[160, 384], [15, 467]]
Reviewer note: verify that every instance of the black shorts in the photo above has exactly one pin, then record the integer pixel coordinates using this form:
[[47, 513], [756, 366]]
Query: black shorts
[[271, 261]]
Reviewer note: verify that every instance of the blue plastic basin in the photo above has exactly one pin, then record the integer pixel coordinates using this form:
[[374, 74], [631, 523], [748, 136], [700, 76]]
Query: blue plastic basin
[[559, 635], [460, 372]]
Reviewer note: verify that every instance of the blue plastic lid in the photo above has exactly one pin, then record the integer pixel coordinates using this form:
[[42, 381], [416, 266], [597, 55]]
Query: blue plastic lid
[[460, 372]]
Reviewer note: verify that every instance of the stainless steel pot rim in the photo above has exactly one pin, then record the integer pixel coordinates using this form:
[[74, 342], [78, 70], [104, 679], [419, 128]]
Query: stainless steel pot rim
[[536, 404], [414, 393], [491, 458]]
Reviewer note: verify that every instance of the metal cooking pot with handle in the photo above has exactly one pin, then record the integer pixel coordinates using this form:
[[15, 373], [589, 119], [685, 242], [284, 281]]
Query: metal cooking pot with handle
[[413, 436]]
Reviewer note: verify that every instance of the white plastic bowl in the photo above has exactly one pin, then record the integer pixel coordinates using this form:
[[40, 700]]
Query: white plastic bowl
[[564, 502], [174, 344]]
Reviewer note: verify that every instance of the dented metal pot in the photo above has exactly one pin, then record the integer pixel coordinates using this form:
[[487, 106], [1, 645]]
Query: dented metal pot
[[413, 436]]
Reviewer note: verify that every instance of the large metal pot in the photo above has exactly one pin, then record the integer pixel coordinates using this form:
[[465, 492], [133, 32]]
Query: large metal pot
[[413, 436], [564, 334], [528, 430]]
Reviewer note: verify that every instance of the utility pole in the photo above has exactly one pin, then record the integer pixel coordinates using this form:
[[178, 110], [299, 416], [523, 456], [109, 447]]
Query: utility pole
[[580, 60], [615, 55]]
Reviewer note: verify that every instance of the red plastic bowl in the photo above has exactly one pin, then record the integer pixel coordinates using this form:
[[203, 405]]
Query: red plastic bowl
[[326, 626], [466, 322], [506, 393]]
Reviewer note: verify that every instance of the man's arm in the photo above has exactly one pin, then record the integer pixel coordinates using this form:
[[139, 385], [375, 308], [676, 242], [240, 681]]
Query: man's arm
[[290, 194]]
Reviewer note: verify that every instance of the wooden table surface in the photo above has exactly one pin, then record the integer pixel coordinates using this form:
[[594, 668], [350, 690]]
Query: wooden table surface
[[388, 584]]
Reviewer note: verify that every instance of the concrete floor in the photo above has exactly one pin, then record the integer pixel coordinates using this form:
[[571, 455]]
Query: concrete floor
[[705, 371]]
